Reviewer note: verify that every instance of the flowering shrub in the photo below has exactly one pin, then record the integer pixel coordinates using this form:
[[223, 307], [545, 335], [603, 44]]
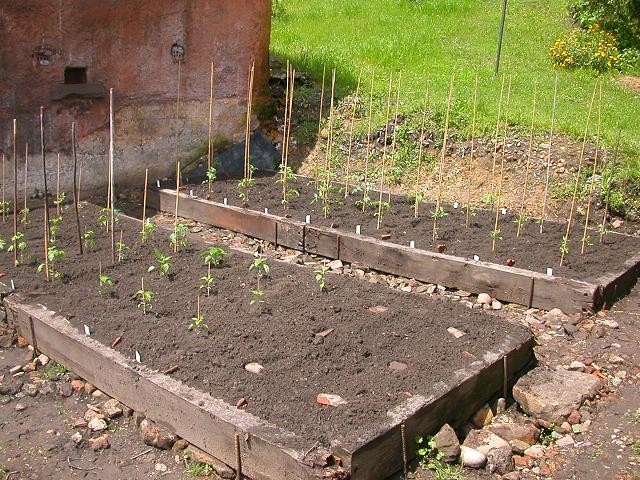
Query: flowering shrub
[[592, 48]]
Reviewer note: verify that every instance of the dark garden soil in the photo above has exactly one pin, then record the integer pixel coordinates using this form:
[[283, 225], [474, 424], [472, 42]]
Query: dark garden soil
[[531, 251], [280, 334]]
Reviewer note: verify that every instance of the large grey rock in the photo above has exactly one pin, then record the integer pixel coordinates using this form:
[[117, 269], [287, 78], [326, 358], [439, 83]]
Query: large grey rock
[[500, 460], [551, 395], [264, 157], [447, 444]]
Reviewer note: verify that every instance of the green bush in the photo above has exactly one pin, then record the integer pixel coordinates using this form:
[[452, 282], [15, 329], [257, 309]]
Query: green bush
[[620, 17]]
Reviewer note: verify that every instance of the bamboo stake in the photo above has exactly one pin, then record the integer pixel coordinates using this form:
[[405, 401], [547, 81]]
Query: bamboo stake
[[209, 161], [175, 223], [247, 138], [79, 183], [112, 174], [46, 249], [46, 190], [58, 186], [548, 177], [495, 148], [384, 149], [436, 213], [365, 190], [565, 239], [144, 198], [395, 130], [473, 139], [329, 149], [324, 74], [26, 177], [144, 304], [75, 183], [288, 135], [528, 167], [416, 205], [4, 187], [494, 234], [15, 191], [353, 118], [284, 127], [178, 111], [607, 198], [593, 173]]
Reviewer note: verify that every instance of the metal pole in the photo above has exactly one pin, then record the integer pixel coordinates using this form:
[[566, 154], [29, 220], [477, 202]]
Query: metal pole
[[501, 35], [112, 176]]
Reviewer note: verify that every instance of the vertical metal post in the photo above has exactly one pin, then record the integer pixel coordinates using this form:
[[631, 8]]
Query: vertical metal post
[[501, 35]]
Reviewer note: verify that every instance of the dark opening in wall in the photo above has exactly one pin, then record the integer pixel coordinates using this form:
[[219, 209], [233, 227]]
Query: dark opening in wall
[[75, 75]]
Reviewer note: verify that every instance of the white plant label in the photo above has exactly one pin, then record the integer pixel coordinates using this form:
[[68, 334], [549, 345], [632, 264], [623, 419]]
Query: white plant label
[[138, 357], [358, 229], [504, 211], [191, 193], [87, 330], [476, 258], [412, 244], [13, 285], [307, 219], [266, 210], [456, 204], [158, 183], [225, 200], [549, 271]]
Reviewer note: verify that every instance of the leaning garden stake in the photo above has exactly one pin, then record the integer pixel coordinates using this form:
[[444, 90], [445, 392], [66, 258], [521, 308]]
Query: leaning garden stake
[[369, 149], [324, 74], [46, 190], [74, 151], [416, 193], [521, 215], [356, 100], [548, 176], [58, 199], [25, 210], [112, 182], [4, 207], [247, 137], [15, 192], [209, 161], [603, 229], [495, 233], [439, 211], [496, 146], [585, 237], [144, 198], [471, 154], [564, 246], [175, 222], [384, 150]]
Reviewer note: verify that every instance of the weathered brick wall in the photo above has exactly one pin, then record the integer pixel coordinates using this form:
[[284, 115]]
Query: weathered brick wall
[[126, 45]]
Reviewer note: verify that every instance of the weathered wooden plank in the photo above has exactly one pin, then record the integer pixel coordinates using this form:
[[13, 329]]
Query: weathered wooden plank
[[290, 233], [322, 241], [502, 282], [618, 284], [453, 404], [208, 423]]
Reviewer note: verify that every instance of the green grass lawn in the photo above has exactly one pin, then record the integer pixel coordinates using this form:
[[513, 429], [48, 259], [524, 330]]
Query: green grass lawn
[[432, 39]]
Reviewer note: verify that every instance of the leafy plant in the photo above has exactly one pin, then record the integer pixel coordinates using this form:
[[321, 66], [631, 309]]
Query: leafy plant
[[25, 216], [121, 249], [429, 458], [619, 17], [208, 282], [199, 469], [60, 199], [261, 269], [178, 237], [564, 245], [210, 175], [148, 230], [105, 283], [324, 193], [88, 239], [257, 296], [53, 255], [496, 234], [104, 218], [53, 369], [381, 208], [2, 244], [489, 199], [320, 274], [244, 186], [286, 177], [4, 207], [145, 300], [18, 244], [54, 227], [603, 230], [197, 323], [164, 263], [439, 213], [213, 256], [521, 220]]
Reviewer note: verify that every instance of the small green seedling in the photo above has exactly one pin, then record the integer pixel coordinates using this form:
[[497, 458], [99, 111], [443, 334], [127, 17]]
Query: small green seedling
[[564, 245], [489, 199], [213, 256], [60, 199], [210, 176], [320, 274], [54, 227], [104, 218], [2, 244], [4, 207], [439, 213], [603, 230], [145, 300], [496, 234], [261, 269], [257, 296], [244, 186], [164, 263], [148, 230], [197, 321], [121, 250], [18, 244], [178, 237], [208, 282], [429, 458], [54, 254], [521, 220], [24, 213], [286, 177], [88, 240], [105, 284], [199, 469], [381, 208]]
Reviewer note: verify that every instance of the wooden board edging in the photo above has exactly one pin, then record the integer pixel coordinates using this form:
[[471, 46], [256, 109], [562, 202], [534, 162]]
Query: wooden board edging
[[204, 421]]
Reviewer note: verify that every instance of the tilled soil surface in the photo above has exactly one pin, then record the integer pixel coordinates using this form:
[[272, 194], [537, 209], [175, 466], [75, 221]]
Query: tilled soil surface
[[531, 250], [280, 333]]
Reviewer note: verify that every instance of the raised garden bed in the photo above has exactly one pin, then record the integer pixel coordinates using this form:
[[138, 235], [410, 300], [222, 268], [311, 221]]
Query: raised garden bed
[[284, 432], [589, 281]]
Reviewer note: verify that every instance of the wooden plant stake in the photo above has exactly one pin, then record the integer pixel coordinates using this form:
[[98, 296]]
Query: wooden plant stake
[[247, 137], [112, 176], [178, 111], [15, 192], [565, 240], [384, 150], [608, 197], [209, 161], [79, 183], [46, 251], [175, 223], [324, 74], [46, 190], [548, 176], [423, 125], [472, 153], [528, 167], [329, 150], [144, 198], [593, 173], [58, 186], [495, 148], [369, 149], [437, 211], [287, 132], [284, 126], [4, 187], [75, 183], [26, 178], [395, 129], [353, 119], [495, 232]]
